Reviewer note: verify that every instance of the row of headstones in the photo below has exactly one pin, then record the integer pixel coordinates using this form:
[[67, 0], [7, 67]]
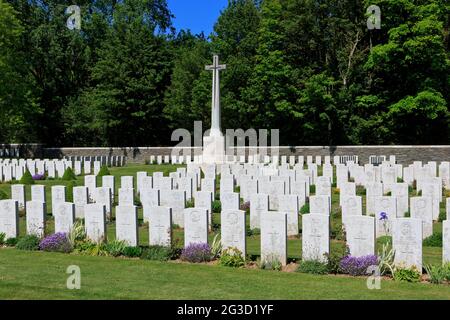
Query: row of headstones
[[360, 230], [110, 161], [9, 152], [254, 159], [14, 170]]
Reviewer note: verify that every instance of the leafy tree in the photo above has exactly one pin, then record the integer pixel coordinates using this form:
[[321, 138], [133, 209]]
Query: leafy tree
[[18, 106]]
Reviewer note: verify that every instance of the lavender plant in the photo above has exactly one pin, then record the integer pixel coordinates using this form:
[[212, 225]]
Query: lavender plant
[[58, 242], [357, 266], [197, 252]]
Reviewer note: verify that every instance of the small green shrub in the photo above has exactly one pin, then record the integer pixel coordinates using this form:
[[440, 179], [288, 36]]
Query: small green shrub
[[69, 191], [3, 195], [232, 257], [11, 242], [104, 171], [338, 252], [132, 252], [157, 253], [442, 215], [360, 191], [305, 209], [115, 248], [437, 274], [27, 178], [2, 238], [28, 242], [446, 268], [77, 233], [313, 267], [89, 248], [253, 232], [190, 204], [215, 226], [216, 246], [435, 240], [69, 175], [386, 258], [216, 206], [406, 275], [271, 263]]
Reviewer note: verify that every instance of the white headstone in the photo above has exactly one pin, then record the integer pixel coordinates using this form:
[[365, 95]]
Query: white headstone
[[149, 198], [351, 206], [80, 199], [108, 181], [38, 193], [195, 226], [127, 225], [319, 205], [58, 196], [388, 206], [229, 200], [64, 216], [95, 222], [102, 195], [446, 241], [9, 218], [203, 199], [289, 205], [90, 181], [421, 208], [126, 182], [407, 243], [18, 194], [175, 199], [233, 230], [126, 197], [160, 226], [259, 203], [273, 237], [315, 237], [400, 192], [36, 218], [360, 232]]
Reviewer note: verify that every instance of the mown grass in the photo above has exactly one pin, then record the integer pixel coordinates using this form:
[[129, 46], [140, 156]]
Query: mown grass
[[39, 275]]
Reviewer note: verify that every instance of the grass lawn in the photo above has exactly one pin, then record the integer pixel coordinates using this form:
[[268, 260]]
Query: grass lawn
[[39, 275]]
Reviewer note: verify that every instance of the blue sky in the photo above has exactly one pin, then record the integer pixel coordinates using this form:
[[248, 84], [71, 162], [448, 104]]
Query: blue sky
[[196, 15]]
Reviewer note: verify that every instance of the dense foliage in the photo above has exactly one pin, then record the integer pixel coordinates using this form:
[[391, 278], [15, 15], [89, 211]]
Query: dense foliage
[[311, 69]]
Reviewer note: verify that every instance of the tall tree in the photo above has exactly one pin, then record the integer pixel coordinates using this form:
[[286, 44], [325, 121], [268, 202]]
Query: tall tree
[[18, 107]]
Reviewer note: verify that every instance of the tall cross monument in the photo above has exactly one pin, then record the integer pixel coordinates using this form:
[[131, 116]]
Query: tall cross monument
[[214, 144]]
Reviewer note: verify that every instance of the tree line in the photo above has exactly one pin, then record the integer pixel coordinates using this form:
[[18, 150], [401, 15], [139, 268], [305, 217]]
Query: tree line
[[309, 68]]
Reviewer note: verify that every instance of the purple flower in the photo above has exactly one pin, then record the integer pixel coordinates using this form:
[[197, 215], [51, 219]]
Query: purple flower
[[197, 252], [357, 266], [383, 216], [58, 242], [38, 176]]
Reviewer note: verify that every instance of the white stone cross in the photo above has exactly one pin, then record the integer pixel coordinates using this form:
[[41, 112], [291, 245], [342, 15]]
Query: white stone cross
[[215, 113]]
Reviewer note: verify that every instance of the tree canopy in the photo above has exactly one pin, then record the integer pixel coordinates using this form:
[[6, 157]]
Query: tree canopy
[[309, 68]]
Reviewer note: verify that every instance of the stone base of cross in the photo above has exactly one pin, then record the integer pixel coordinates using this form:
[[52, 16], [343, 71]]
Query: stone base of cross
[[214, 149]]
